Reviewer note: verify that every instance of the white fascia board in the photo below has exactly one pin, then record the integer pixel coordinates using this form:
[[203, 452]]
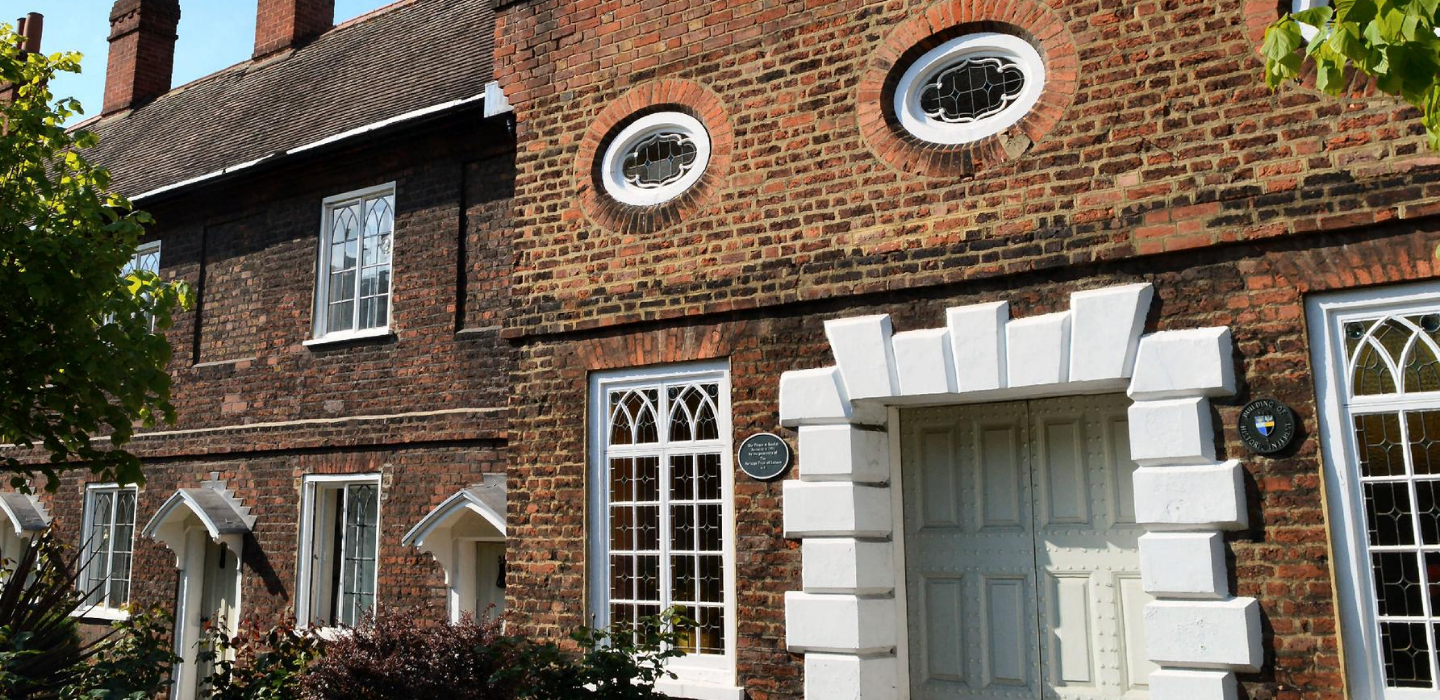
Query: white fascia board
[[344, 135]]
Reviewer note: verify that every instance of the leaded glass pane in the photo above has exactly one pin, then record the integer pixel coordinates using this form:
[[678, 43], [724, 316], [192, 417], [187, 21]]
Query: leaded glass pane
[[647, 479], [361, 545], [711, 630], [1406, 651], [1397, 584], [660, 159], [1372, 375], [709, 481], [1424, 436], [622, 479], [123, 543], [972, 89], [1387, 506], [1427, 510], [1378, 437], [1422, 369]]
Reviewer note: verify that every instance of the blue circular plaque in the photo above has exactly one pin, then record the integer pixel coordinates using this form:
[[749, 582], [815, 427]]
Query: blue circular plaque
[[764, 456]]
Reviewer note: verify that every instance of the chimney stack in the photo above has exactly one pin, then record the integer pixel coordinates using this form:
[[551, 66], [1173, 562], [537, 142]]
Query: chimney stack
[[142, 52], [283, 24]]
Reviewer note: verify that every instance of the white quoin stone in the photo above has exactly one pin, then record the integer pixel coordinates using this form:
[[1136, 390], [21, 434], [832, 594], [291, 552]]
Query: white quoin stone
[[977, 344], [1174, 364], [1037, 350], [1184, 565], [844, 453], [1188, 498], [924, 362], [817, 397], [1221, 634], [1175, 431], [845, 677], [1178, 684], [844, 624], [845, 565], [1105, 328], [862, 350], [836, 509]]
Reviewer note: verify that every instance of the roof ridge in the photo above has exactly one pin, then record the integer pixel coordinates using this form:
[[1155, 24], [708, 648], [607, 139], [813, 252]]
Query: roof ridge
[[253, 63]]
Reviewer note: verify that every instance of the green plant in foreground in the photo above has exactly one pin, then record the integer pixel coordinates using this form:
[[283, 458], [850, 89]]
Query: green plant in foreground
[[42, 655], [1392, 41]]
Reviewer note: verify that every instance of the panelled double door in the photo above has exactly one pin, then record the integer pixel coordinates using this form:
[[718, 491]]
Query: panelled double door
[[1021, 561]]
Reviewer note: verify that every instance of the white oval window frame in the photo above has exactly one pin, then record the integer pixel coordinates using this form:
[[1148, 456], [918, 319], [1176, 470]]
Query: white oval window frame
[[980, 45], [612, 165]]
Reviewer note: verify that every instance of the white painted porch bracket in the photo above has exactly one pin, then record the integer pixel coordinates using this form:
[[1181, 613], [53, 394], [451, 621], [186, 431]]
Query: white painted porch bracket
[[846, 620]]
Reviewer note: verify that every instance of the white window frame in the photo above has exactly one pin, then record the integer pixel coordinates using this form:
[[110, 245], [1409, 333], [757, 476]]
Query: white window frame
[[103, 610], [612, 165], [707, 676], [1326, 316], [305, 585], [979, 45], [140, 251], [322, 271]]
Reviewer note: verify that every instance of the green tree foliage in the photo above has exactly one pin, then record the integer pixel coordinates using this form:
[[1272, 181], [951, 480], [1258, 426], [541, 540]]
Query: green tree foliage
[[82, 355], [1393, 41]]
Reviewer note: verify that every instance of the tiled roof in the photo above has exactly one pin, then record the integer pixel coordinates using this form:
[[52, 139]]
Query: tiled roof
[[403, 58]]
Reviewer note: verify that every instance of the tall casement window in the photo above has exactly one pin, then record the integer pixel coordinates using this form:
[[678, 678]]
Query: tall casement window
[[109, 542], [1378, 375], [339, 548], [353, 289], [661, 520]]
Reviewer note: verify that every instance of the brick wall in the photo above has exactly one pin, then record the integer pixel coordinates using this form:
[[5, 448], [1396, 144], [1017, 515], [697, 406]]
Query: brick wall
[[1171, 141], [426, 408], [1256, 290]]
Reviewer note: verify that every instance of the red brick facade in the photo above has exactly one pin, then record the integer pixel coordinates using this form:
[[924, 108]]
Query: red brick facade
[[425, 408], [1155, 154]]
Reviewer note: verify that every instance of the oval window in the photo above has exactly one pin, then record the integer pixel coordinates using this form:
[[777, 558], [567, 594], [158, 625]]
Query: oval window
[[969, 87], [655, 159]]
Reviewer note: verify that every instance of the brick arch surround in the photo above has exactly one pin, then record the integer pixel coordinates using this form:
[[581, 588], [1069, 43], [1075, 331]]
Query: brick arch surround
[[1037, 23], [849, 621], [670, 94]]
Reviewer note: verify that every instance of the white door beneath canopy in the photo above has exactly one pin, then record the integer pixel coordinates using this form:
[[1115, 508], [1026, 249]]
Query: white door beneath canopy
[[1021, 552]]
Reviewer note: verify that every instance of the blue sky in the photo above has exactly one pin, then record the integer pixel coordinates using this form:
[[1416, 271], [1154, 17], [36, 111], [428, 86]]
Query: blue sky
[[213, 34]]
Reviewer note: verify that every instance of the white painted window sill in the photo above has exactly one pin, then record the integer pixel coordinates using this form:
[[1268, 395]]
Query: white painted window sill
[[691, 690], [102, 613], [349, 336]]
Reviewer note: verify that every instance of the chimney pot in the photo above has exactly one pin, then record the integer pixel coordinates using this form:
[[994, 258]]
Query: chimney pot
[[283, 24], [142, 52], [31, 27]]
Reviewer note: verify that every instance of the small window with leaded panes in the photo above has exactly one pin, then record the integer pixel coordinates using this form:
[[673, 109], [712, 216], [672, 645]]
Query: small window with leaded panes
[[356, 245], [107, 549], [661, 515]]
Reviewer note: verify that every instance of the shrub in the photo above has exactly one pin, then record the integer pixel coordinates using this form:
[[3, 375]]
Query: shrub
[[258, 665], [392, 657], [620, 663]]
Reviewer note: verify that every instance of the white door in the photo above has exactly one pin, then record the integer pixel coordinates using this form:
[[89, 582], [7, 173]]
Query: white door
[[1022, 569]]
